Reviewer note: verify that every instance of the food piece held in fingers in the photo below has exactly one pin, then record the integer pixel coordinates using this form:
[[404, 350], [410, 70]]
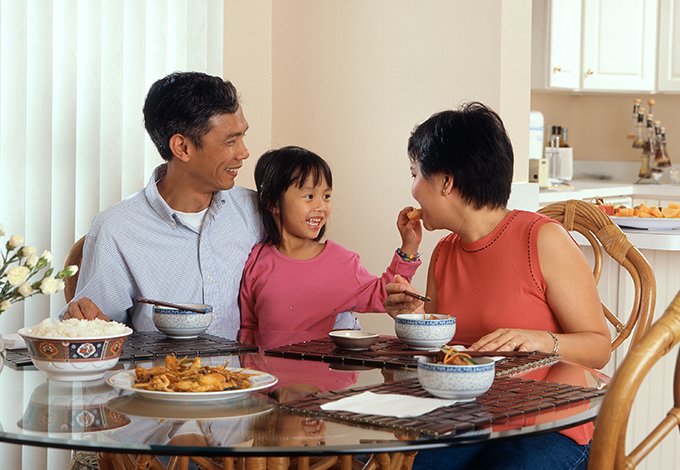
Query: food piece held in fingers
[[414, 214]]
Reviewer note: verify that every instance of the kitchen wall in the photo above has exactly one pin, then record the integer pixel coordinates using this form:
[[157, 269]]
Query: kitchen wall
[[598, 123]]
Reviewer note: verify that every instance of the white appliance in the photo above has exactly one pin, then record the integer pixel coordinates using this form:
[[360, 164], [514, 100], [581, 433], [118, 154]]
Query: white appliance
[[536, 132]]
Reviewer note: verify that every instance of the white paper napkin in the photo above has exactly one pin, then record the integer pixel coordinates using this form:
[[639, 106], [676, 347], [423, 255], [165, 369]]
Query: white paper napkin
[[13, 341], [400, 406]]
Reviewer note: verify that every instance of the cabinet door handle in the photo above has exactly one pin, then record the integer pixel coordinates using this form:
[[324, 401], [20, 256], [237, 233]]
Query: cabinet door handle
[[590, 71], [557, 69]]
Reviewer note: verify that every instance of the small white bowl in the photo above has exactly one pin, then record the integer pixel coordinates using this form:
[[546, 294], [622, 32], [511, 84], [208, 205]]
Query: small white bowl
[[182, 324], [463, 383], [353, 340], [418, 331]]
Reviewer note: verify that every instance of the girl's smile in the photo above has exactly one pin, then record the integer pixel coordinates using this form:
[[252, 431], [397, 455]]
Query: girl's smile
[[305, 211]]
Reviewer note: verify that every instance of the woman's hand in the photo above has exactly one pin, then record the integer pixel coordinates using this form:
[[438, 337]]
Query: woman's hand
[[411, 232], [515, 340], [397, 302]]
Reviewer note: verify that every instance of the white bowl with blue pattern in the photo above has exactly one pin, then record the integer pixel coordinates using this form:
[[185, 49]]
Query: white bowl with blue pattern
[[425, 331], [182, 324], [463, 383]]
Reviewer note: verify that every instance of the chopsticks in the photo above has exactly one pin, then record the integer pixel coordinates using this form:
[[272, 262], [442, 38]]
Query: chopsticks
[[417, 296], [168, 304]]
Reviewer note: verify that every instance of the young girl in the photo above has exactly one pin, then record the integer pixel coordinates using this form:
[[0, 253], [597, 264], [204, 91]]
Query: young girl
[[294, 281]]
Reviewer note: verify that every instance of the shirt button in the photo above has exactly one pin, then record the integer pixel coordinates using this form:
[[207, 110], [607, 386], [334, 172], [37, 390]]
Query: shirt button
[[208, 277]]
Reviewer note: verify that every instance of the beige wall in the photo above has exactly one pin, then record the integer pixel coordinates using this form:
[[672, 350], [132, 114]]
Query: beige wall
[[352, 78], [349, 80], [598, 123]]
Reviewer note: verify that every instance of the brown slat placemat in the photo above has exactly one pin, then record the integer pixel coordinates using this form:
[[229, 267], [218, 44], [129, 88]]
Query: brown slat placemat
[[384, 354], [508, 398], [146, 345]]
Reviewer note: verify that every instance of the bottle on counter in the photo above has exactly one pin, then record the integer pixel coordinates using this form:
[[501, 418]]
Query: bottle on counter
[[649, 147], [634, 119], [663, 142], [660, 157], [553, 153], [563, 142], [651, 102], [639, 139]]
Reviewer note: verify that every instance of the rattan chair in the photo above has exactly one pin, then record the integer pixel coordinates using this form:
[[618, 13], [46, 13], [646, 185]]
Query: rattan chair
[[603, 233], [74, 257], [382, 461], [608, 450]]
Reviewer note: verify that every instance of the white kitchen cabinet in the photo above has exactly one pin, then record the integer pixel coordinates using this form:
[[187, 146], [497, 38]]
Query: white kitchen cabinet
[[594, 45], [619, 45], [669, 46], [556, 44]]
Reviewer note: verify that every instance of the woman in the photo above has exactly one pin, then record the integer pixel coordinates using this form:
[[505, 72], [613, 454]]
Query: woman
[[514, 280]]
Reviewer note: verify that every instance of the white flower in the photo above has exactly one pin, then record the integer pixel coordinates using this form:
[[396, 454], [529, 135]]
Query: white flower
[[28, 250], [25, 289], [2, 230], [15, 241], [47, 256], [17, 275], [50, 286], [4, 305], [72, 270], [31, 261]]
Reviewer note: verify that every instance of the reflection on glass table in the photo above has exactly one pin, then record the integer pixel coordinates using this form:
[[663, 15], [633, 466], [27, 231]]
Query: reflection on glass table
[[97, 417]]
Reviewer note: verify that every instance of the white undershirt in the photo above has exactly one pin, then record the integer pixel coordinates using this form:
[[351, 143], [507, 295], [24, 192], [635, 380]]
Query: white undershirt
[[195, 219]]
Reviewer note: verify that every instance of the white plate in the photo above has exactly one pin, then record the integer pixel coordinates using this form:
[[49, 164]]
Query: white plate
[[651, 223], [123, 380]]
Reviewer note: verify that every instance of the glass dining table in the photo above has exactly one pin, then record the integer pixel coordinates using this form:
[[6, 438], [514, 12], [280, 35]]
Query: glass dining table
[[531, 395]]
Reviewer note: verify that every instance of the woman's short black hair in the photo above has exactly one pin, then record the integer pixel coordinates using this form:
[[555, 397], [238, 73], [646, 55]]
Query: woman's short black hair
[[183, 103], [276, 171], [471, 145]]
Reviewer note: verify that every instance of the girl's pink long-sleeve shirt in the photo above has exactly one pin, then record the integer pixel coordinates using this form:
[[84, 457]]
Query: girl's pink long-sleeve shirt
[[281, 293]]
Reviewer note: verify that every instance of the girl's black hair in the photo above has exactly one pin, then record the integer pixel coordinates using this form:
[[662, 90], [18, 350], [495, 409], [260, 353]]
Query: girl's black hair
[[275, 172]]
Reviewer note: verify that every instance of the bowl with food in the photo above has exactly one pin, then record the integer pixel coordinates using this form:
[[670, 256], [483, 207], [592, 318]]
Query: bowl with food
[[353, 340], [75, 350], [457, 377], [178, 323], [425, 330]]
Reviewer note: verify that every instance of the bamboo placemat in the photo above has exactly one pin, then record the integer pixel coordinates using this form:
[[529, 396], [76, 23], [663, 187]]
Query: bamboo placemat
[[508, 400], [153, 344], [388, 352]]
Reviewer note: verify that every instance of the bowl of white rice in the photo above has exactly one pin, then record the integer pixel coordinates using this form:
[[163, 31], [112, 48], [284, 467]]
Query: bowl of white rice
[[75, 350]]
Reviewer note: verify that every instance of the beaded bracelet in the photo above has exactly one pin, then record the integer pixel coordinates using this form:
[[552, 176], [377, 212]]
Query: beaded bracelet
[[557, 344], [406, 257]]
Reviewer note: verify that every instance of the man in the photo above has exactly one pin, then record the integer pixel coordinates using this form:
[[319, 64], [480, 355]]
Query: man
[[187, 235]]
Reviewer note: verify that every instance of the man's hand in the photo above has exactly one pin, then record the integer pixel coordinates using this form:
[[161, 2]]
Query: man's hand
[[84, 309]]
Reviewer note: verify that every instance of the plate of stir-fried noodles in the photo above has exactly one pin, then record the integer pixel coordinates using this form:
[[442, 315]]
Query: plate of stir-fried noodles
[[188, 380]]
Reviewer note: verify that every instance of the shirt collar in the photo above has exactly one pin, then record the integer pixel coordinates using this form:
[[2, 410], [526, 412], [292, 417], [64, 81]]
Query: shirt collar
[[162, 208]]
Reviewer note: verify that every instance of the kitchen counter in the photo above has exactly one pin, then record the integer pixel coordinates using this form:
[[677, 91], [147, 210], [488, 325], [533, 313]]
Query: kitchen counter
[[657, 240], [589, 189]]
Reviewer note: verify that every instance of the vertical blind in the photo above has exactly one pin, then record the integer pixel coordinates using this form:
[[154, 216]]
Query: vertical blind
[[73, 77]]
